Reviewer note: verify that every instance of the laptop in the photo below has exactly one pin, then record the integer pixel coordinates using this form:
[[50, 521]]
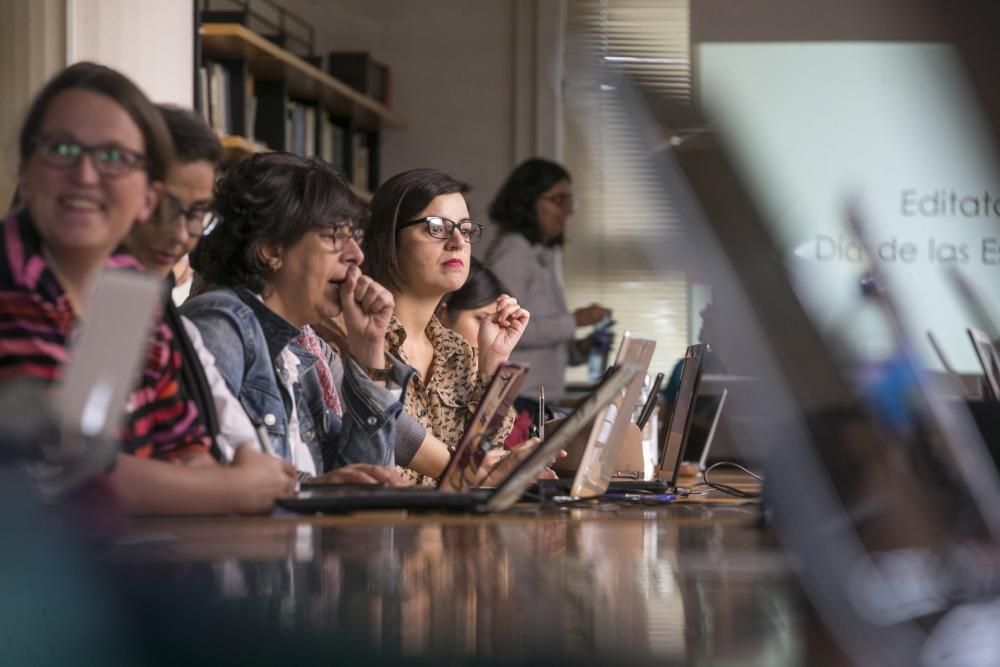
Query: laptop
[[607, 436], [678, 429], [509, 491], [103, 368], [988, 360], [704, 421]]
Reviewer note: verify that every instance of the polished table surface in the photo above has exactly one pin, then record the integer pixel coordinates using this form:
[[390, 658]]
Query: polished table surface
[[690, 582]]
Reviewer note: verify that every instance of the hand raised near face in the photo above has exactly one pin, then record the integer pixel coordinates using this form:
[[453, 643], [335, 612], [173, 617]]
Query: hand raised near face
[[367, 308], [500, 332]]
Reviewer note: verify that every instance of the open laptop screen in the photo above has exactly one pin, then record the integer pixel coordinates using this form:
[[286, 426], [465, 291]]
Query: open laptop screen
[[704, 422], [680, 419]]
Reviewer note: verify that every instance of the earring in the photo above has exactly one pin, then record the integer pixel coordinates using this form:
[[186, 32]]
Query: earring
[[274, 264]]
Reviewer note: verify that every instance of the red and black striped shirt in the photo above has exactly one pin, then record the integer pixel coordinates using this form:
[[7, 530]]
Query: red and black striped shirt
[[37, 321]]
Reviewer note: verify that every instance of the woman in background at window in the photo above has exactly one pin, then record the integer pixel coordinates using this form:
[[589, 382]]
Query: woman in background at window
[[531, 210], [418, 244]]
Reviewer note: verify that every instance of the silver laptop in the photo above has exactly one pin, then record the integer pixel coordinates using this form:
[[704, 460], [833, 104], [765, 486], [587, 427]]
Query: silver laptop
[[104, 366], [508, 492], [600, 456]]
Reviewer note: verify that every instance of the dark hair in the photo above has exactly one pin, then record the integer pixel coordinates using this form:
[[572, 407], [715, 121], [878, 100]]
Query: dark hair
[[513, 209], [401, 199], [194, 140], [482, 287], [110, 83], [269, 198]]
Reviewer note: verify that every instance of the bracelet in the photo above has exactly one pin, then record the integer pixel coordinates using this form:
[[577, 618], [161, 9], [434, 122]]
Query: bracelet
[[378, 374]]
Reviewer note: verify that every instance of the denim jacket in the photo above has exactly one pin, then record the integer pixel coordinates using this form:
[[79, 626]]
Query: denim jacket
[[247, 339]]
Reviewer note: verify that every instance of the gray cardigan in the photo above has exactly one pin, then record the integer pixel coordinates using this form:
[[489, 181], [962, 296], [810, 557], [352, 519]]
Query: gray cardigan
[[530, 272]]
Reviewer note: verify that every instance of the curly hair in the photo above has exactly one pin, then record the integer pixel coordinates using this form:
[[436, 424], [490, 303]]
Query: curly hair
[[401, 199], [513, 209], [269, 199]]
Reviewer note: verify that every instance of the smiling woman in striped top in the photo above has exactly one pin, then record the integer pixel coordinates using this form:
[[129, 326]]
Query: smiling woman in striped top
[[93, 154]]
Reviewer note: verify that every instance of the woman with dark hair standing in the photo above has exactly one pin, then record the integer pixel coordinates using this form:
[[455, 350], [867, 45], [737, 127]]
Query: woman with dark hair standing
[[283, 256], [531, 210], [418, 244]]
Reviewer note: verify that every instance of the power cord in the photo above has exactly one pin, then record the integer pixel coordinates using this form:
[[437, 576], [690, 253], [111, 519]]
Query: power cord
[[725, 488]]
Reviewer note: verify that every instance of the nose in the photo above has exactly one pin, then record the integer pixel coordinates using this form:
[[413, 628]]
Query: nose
[[177, 228], [352, 253], [85, 171], [455, 240]]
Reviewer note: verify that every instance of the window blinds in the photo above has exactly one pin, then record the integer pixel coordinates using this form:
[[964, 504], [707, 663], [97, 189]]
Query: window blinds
[[625, 248]]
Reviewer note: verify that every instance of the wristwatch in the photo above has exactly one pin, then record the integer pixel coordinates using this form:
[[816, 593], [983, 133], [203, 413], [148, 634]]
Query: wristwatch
[[378, 374]]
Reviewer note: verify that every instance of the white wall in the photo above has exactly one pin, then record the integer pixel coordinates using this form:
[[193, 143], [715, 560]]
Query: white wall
[[150, 41], [464, 76]]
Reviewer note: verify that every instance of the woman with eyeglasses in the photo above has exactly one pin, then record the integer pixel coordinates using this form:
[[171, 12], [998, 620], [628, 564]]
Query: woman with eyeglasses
[[94, 152], [532, 210], [418, 244], [282, 257]]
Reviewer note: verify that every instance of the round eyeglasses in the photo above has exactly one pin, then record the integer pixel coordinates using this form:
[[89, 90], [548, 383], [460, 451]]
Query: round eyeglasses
[[108, 159], [343, 232], [196, 219], [443, 228]]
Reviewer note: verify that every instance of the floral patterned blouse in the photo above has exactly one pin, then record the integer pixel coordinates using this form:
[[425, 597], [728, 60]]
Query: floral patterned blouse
[[451, 395]]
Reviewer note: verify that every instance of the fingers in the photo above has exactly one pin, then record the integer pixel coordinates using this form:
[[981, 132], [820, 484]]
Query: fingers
[[374, 298], [366, 473], [351, 475], [386, 476], [509, 312]]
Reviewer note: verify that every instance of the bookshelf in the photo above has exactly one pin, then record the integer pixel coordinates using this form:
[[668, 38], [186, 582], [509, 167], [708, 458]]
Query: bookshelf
[[266, 97]]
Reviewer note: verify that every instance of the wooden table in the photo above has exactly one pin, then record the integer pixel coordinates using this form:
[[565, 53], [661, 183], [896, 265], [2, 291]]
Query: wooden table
[[694, 582]]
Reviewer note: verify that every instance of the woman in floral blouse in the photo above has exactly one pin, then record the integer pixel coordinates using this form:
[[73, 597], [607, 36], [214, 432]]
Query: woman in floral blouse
[[418, 244]]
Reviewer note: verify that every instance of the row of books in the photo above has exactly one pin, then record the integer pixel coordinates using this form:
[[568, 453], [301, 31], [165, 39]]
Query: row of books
[[308, 131]]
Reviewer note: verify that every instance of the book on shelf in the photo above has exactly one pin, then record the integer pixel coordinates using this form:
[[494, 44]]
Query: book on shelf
[[203, 94], [359, 171], [326, 138], [309, 121]]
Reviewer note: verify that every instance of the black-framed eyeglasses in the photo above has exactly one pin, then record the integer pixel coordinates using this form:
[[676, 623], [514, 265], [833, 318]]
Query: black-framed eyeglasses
[[109, 160], [342, 232], [196, 219], [443, 228]]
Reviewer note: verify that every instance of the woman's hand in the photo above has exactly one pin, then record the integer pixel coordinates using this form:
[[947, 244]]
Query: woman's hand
[[362, 473], [367, 308], [257, 479], [498, 463], [592, 314], [499, 333]]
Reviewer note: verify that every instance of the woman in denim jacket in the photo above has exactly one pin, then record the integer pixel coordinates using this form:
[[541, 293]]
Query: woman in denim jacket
[[284, 255]]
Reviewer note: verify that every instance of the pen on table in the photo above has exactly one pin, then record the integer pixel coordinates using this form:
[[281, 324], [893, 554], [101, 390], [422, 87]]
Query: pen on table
[[647, 409], [656, 497], [541, 413]]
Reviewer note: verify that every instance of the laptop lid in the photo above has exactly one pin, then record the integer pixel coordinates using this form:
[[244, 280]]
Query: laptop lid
[[987, 356], [679, 425], [522, 477], [600, 456], [103, 367], [497, 400], [704, 421], [104, 360]]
